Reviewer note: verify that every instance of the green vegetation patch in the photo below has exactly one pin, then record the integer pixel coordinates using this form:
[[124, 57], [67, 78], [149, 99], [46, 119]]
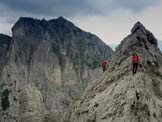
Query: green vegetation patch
[[5, 103]]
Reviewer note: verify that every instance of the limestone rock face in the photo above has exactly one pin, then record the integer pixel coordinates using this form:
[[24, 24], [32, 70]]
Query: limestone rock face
[[31, 107], [119, 96], [49, 63]]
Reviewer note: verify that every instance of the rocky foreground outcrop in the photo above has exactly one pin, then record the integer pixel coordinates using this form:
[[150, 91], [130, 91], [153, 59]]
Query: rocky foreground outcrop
[[44, 66], [119, 96]]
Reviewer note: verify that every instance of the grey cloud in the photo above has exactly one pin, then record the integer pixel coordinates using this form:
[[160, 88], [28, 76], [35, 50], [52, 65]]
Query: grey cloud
[[74, 7], [13, 9], [50, 7], [135, 5]]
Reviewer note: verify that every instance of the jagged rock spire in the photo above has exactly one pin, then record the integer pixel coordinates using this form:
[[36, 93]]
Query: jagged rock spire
[[138, 27], [139, 39]]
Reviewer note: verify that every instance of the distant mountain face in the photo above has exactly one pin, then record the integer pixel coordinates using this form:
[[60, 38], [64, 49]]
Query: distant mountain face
[[45, 66], [5, 42], [113, 46], [119, 96], [64, 37]]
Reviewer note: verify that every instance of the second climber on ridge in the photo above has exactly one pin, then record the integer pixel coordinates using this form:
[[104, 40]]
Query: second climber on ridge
[[104, 64], [135, 60]]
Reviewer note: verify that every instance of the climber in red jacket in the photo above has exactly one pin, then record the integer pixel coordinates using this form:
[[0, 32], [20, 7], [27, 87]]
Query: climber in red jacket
[[104, 64], [135, 59]]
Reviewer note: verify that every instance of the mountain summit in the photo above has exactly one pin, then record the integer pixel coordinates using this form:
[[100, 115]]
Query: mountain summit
[[139, 37], [119, 96], [138, 27]]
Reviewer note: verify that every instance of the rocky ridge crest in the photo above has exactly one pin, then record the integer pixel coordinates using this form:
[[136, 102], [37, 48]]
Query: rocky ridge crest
[[117, 95]]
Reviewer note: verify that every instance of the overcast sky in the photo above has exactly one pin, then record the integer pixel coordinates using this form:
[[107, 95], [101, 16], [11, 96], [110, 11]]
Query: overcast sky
[[110, 20]]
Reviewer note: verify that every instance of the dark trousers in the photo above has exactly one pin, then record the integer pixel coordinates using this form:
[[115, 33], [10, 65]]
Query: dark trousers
[[104, 68], [135, 66]]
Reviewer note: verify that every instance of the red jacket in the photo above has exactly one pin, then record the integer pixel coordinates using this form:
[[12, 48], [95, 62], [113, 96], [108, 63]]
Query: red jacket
[[135, 58], [104, 64]]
